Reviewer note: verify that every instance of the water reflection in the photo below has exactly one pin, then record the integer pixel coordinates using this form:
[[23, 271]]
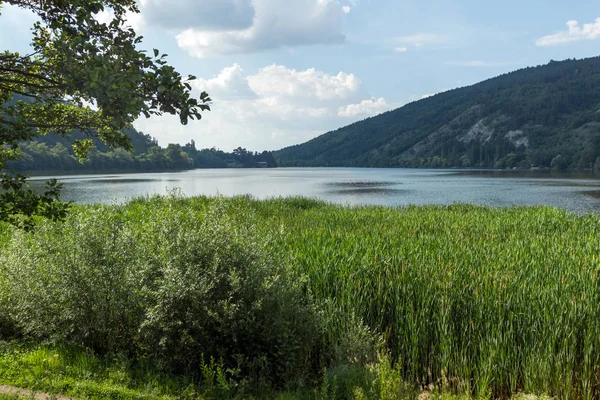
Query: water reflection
[[360, 184], [536, 174], [370, 191], [124, 181], [592, 193], [364, 188]]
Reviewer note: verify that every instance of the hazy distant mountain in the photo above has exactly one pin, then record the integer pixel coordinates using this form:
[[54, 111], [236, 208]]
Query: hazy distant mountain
[[539, 116]]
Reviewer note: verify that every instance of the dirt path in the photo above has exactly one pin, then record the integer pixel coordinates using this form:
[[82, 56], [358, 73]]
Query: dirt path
[[30, 394]]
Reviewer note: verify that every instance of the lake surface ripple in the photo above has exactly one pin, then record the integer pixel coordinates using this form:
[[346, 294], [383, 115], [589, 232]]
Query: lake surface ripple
[[578, 192]]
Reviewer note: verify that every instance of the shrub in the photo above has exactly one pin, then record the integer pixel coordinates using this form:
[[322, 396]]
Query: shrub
[[76, 281], [161, 281], [221, 293]]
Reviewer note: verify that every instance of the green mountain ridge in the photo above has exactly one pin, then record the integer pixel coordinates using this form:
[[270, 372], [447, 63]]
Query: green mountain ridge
[[545, 116]]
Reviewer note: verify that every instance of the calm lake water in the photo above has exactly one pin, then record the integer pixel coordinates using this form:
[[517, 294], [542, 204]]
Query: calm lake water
[[349, 186]]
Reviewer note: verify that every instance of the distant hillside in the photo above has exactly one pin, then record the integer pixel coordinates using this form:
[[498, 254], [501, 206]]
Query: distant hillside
[[545, 116]]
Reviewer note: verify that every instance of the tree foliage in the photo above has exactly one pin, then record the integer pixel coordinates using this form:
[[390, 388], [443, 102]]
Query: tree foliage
[[53, 154], [85, 75]]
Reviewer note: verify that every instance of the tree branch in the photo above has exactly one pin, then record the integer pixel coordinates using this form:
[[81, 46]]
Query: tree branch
[[29, 75], [29, 84]]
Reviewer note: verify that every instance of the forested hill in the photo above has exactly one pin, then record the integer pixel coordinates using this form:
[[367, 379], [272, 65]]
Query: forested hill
[[545, 116]]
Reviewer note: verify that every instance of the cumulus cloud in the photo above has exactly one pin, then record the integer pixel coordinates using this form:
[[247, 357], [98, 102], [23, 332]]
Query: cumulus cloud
[[272, 108], [366, 108], [256, 25], [286, 94], [104, 17], [220, 27], [276, 80], [574, 33], [230, 84], [401, 49]]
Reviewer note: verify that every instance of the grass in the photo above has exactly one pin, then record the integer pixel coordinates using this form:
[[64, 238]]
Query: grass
[[486, 301], [79, 373], [469, 301]]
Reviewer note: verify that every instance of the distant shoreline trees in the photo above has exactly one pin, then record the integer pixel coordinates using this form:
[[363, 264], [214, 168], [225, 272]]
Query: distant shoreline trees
[[54, 154]]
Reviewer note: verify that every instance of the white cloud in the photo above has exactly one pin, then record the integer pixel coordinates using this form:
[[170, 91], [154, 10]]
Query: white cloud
[[219, 27], [136, 21], [280, 81], [420, 39], [575, 32], [275, 24], [231, 83], [272, 108], [104, 17], [277, 108], [366, 108], [401, 49]]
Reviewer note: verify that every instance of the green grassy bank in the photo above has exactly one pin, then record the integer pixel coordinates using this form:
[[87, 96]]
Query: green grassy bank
[[310, 300]]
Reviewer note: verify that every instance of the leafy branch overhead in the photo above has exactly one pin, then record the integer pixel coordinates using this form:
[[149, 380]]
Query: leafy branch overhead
[[85, 75]]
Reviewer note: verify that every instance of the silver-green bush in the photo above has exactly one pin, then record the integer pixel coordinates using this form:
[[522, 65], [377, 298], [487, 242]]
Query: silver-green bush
[[158, 280]]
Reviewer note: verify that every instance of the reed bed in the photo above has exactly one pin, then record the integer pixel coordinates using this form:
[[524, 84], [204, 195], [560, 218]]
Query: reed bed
[[472, 299]]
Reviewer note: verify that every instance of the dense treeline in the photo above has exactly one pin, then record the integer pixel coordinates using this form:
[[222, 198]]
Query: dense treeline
[[239, 158], [545, 116], [54, 153]]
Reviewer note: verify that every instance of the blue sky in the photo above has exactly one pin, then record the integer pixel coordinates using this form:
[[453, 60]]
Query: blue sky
[[284, 71]]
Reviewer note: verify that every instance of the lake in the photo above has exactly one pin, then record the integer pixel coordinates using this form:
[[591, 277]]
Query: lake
[[350, 186]]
